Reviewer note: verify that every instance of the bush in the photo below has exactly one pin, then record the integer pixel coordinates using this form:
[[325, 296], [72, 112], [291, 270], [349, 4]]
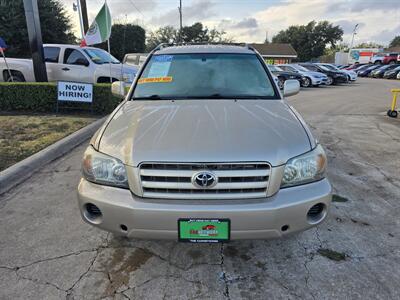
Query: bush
[[42, 97]]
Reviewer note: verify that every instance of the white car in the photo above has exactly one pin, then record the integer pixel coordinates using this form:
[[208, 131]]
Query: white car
[[71, 63], [351, 75], [310, 78]]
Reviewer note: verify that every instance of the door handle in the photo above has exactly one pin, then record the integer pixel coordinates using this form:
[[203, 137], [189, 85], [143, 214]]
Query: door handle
[[65, 69]]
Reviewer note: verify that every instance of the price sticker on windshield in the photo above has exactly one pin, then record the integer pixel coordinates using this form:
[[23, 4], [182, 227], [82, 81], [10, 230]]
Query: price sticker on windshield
[[155, 79], [160, 66]]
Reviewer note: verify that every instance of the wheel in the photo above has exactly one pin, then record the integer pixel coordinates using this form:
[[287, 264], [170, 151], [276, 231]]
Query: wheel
[[392, 113], [15, 78], [329, 81], [306, 82], [392, 62], [281, 83], [377, 62]]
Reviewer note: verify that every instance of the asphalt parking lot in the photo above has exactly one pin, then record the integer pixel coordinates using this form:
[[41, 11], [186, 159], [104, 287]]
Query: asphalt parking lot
[[48, 252]]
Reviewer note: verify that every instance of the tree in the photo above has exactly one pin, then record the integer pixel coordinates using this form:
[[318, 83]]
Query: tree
[[369, 45], [195, 33], [395, 42], [127, 38], [167, 34], [55, 25], [310, 40]]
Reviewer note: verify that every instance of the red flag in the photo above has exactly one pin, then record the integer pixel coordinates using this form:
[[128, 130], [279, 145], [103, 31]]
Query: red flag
[[83, 43]]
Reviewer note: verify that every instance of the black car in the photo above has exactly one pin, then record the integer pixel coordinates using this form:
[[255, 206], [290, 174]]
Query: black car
[[366, 71], [392, 74], [378, 73], [334, 77], [285, 75]]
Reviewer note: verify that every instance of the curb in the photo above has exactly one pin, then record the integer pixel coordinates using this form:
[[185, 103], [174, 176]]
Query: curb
[[24, 169]]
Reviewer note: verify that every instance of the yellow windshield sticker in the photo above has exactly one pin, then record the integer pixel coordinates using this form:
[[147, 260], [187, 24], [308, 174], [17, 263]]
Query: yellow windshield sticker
[[155, 79]]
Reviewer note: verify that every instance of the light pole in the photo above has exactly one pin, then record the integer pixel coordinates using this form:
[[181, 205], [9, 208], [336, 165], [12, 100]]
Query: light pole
[[352, 41], [354, 33], [180, 20]]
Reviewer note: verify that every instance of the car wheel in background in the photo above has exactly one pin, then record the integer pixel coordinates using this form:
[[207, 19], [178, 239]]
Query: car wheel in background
[[377, 62], [306, 82], [281, 82], [392, 113], [329, 81], [392, 62]]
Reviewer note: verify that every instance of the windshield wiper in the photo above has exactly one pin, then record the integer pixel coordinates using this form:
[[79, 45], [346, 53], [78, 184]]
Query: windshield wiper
[[152, 97]]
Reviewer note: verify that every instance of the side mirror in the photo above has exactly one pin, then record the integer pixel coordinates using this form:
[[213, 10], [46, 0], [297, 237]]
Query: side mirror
[[118, 89], [291, 87], [82, 62]]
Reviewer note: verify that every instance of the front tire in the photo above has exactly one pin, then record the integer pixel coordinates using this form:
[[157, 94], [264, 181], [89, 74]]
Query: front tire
[[306, 82], [281, 83], [15, 78], [329, 81]]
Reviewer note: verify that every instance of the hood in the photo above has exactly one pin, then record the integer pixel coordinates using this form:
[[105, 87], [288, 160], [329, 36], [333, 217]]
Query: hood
[[204, 131]]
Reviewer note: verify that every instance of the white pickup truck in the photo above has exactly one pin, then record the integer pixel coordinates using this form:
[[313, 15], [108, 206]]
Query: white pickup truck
[[71, 63]]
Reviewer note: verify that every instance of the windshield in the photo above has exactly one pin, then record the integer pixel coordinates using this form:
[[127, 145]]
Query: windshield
[[324, 68], [197, 76], [300, 68], [333, 68], [274, 68], [100, 57]]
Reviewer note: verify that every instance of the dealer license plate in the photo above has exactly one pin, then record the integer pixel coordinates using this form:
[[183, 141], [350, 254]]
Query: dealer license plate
[[204, 230]]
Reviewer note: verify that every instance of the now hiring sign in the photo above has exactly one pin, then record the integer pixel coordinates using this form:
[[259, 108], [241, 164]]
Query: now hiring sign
[[74, 92]]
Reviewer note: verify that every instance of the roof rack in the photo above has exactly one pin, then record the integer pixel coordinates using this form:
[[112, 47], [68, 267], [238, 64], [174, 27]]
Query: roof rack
[[164, 45]]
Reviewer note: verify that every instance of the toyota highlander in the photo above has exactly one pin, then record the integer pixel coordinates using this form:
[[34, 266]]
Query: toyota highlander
[[204, 148]]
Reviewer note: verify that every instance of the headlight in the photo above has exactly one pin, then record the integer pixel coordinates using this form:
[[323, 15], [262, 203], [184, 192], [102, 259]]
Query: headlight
[[103, 169], [305, 168]]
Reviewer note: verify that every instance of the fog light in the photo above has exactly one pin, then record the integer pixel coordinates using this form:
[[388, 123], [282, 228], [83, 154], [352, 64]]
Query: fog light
[[316, 213], [92, 213]]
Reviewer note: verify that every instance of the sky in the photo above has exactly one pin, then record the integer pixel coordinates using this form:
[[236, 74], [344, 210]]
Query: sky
[[253, 20]]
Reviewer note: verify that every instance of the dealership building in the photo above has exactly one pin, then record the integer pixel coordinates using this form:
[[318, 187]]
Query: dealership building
[[276, 53]]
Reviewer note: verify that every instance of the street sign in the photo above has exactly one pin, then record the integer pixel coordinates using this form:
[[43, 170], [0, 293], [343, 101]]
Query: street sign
[[74, 92]]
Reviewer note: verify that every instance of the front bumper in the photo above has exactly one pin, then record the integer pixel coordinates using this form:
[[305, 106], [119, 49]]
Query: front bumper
[[250, 219], [340, 79]]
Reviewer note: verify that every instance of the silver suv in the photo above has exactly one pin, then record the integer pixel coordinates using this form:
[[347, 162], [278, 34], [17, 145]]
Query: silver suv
[[204, 149]]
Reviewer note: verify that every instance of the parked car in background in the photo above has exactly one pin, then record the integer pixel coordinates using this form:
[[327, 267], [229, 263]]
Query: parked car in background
[[385, 58], [378, 72], [135, 59], [334, 77], [351, 75], [310, 78], [398, 75], [352, 67], [365, 72], [285, 75], [392, 73], [360, 68], [71, 63]]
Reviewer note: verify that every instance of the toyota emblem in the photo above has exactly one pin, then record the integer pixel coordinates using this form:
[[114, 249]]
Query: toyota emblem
[[204, 180]]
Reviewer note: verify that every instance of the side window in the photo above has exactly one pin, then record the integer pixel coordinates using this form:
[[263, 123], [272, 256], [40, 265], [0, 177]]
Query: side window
[[312, 68], [51, 54], [75, 57]]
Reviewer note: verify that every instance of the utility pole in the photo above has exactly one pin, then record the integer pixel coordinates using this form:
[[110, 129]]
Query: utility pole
[[180, 20], [78, 9], [84, 15], [354, 33], [35, 39]]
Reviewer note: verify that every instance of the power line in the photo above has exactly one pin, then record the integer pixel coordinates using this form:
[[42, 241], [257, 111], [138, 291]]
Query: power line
[[133, 4]]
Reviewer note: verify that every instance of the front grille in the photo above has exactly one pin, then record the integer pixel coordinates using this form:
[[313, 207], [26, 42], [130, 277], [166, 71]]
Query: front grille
[[174, 180]]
